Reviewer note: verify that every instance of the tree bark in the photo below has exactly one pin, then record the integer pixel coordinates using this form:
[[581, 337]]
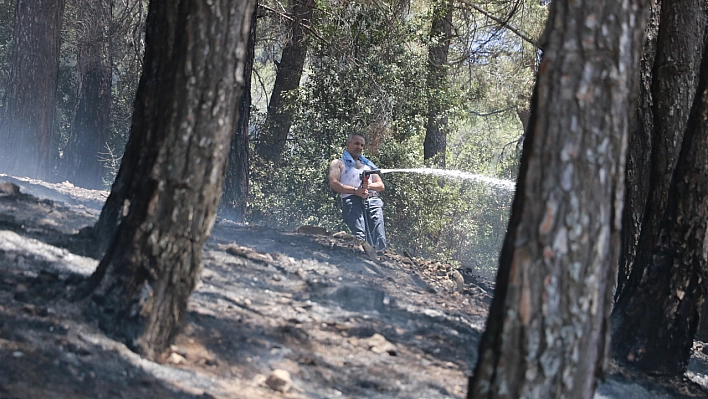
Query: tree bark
[[271, 143], [28, 113], [702, 331], [172, 175], [235, 198], [89, 130], [547, 331], [638, 156], [655, 326], [435, 143], [663, 115]]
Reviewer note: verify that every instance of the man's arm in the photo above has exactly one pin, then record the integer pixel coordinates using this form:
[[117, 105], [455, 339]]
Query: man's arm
[[376, 184], [335, 173]]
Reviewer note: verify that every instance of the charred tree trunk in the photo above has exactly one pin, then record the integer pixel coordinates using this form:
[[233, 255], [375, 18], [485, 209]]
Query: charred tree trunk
[[702, 332], [89, 129], [289, 71], [548, 325], [653, 329], [669, 80], [173, 172], [30, 99], [234, 200], [435, 143], [638, 156]]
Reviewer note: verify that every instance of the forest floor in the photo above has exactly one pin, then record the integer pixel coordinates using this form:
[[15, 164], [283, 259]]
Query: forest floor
[[275, 315]]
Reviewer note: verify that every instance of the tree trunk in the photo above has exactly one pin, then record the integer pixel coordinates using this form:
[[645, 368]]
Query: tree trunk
[[173, 171], [702, 331], [89, 129], [435, 143], [546, 334], [30, 99], [655, 326], [638, 156], [234, 200], [663, 114], [271, 143]]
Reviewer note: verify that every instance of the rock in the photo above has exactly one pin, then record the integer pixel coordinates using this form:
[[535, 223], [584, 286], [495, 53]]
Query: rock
[[288, 365], [176, 358], [9, 189], [178, 350], [370, 250], [315, 230], [279, 380], [377, 343], [433, 313], [457, 278], [340, 234], [247, 253]]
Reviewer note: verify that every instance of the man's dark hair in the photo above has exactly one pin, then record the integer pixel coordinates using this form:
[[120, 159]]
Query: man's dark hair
[[351, 137]]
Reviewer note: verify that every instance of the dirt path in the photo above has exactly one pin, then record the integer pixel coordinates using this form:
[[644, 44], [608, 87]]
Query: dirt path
[[275, 314]]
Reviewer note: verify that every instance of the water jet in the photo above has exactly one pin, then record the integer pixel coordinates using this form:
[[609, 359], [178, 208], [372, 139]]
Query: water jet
[[458, 174]]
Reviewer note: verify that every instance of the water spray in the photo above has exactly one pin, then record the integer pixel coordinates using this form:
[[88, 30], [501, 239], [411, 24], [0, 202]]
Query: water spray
[[501, 183]]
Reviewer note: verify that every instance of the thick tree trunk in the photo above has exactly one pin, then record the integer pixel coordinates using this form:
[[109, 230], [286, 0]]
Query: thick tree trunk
[[172, 174], [435, 143], [547, 330], [655, 326], [638, 156], [657, 140], [234, 200], [89, 129], [271, 143], [702, 332], [138, 149], [28, 113]]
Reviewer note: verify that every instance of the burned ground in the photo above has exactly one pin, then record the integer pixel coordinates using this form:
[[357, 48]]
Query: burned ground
[[333, 320]]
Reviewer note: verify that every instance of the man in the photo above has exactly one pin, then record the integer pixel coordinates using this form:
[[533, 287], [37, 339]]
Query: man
[[362, 209]]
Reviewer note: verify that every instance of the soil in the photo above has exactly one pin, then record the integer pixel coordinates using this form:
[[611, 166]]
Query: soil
[[276, 314]]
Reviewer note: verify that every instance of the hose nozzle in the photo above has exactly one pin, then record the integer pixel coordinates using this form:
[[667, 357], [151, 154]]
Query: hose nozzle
[[365, 174]]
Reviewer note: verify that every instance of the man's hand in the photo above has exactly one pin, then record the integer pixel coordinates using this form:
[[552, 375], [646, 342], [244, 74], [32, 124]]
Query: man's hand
[[362, 191]]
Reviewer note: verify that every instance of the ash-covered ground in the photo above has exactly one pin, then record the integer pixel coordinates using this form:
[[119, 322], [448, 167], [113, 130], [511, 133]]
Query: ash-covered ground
[[275, 315]]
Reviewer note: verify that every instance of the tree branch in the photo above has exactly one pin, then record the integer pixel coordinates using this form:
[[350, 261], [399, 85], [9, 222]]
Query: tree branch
[[505, 24]]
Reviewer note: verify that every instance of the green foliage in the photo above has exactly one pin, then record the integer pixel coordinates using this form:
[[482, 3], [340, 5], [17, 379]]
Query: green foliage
[[366, 77], [461, 221], [367, 74], [362, 78], [288, 197], [487, 144]]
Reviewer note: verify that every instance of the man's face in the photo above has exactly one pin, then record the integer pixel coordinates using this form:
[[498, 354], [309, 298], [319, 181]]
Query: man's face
[[355, 146]]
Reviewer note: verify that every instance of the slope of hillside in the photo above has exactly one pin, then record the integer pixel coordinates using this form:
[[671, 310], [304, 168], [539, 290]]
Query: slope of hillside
[[275, 314]]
